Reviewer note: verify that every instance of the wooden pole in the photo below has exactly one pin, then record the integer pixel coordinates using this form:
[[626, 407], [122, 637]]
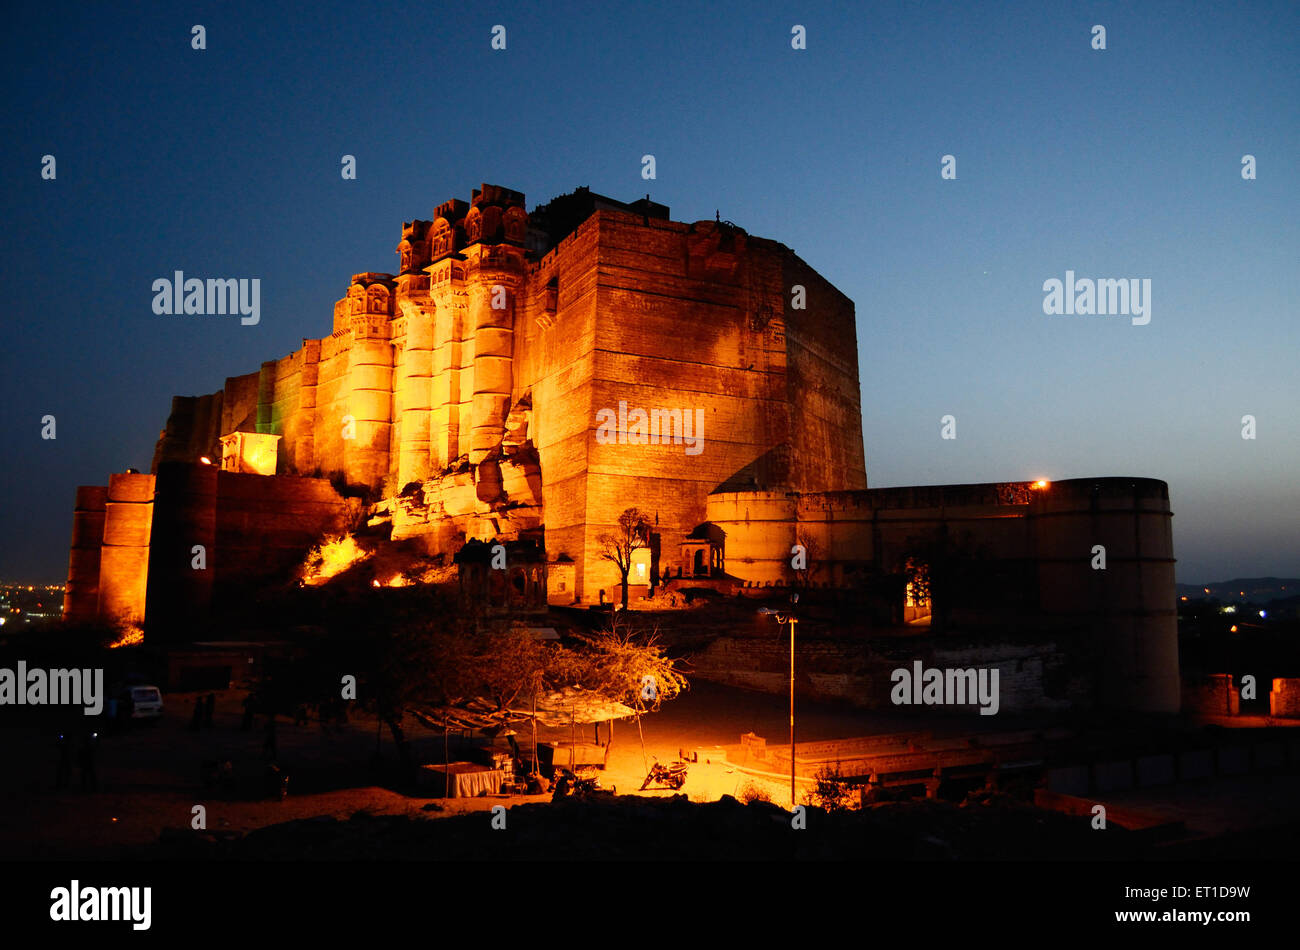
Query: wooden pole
[[793, 803], [644, 760]]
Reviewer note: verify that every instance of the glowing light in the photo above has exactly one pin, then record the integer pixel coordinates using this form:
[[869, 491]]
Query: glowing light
[[1184, 597], [131, 636], [331, 557], [1233, 628], [206, 461], [1262, 613], [375, 582], [1206, 589], [1041, 483]]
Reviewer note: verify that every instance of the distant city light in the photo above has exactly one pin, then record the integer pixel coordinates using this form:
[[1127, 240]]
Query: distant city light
[[1233, 628], [1229, 610], [1262, 613], [1184, 597]]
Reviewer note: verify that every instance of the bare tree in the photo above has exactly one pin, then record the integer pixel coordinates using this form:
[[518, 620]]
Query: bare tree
[[633, 534], [630, 668], [806, 567]]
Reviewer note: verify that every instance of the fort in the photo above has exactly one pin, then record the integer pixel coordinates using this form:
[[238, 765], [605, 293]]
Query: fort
[[469, 397]]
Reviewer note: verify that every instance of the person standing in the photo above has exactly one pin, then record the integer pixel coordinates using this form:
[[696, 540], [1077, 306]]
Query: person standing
[[269, 747], [63, 779], [89, 780]]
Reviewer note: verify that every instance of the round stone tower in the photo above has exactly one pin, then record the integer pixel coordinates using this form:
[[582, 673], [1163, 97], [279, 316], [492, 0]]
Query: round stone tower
[[1104, 550]]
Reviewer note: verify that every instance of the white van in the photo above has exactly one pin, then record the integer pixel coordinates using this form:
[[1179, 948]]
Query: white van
[[140, 702]]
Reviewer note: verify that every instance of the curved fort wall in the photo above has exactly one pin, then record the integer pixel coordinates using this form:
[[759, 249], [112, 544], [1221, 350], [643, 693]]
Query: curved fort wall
[[1040, 546]]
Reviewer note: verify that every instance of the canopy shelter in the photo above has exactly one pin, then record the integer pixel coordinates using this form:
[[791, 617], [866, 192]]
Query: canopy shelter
[[560, 707], [571, 706]]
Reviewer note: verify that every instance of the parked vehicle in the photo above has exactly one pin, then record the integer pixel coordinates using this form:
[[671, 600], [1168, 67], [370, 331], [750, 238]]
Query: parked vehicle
[[276, 782], [217, 773], [139, 702], [666, 776], [579, 786]]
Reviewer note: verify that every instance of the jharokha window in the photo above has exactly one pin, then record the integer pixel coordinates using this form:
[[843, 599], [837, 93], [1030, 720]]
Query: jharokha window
[[916, 595]]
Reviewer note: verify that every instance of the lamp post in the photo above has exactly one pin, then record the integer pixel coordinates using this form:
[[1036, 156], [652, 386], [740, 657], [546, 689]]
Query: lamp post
[[792, 620]]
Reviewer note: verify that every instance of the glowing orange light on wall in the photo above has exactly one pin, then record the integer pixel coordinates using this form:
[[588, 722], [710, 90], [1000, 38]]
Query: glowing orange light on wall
[[130, 637]]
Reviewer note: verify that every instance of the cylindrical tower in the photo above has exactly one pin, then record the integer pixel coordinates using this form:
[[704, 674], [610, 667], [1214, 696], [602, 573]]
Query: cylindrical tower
[[370, 370], [184, 516], [124, 559], [760, 529], [492, 306], [415, 394], [1127, 605], [81, 595], [446, 290]]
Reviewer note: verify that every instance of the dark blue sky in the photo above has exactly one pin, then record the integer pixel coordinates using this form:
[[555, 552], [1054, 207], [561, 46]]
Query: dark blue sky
[[1122, 163]]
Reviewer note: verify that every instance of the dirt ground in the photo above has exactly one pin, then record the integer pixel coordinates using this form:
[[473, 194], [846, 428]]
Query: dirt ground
[[149, 773]]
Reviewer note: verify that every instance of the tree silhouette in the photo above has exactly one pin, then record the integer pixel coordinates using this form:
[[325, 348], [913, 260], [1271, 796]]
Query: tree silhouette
[[633, 533]]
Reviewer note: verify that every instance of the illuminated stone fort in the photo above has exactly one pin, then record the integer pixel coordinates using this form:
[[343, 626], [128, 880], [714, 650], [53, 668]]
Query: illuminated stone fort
[[464, 398]]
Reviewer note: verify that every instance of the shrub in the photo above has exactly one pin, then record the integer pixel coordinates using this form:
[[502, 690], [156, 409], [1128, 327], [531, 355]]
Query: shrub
[[829, 790]]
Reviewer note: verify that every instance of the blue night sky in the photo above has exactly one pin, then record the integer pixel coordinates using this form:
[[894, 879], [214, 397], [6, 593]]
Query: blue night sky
[[1119, 163]]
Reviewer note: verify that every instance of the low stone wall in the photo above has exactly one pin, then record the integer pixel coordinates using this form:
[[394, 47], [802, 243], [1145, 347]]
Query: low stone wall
[[1211, 695], [1031, 676], [1284, 700]]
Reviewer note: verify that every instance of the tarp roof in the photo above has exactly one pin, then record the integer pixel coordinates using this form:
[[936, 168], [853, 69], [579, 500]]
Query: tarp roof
[[555, 708]]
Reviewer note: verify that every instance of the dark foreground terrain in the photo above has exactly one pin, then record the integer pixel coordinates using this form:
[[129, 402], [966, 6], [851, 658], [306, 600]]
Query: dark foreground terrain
[[986, 827]]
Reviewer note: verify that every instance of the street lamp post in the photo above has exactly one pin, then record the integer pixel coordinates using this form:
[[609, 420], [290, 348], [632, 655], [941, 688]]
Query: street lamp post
[[791, 619]]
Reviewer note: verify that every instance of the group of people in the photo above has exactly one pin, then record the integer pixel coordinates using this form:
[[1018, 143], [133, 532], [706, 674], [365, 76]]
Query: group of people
[[85, 753], [204, 708]]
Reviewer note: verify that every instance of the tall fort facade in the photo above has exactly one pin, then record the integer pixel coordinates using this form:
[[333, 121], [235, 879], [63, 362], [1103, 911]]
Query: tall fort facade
[[529, 377]]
